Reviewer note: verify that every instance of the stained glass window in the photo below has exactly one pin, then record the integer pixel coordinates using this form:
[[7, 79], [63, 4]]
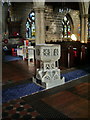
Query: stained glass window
[[30, 25], [79, 29], [66, 29], [88, 30]]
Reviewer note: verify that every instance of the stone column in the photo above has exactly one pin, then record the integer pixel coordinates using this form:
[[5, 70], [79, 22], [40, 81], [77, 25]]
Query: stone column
[[40, 27], [4, 18], [37, 24], [82, 29], [86, 28]]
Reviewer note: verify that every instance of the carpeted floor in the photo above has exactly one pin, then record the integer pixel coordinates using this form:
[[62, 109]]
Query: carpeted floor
[[19, 91], [30, 88], [26, 89], [7, 58], [32, 106], [75, 74]]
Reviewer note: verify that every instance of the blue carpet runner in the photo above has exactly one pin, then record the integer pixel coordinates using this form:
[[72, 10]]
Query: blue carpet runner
[[11, 58], [19, 91], [76, 74], [29, 88]]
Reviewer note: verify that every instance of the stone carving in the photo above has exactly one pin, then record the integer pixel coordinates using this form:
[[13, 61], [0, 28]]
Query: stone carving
[[46, 52], [53, 27], [52, 65], [48, 73], [55, 52], [47, 66], [38, 52]]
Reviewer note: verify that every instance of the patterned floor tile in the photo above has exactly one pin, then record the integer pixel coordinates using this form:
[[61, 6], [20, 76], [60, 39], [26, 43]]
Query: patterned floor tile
[[19, 110]]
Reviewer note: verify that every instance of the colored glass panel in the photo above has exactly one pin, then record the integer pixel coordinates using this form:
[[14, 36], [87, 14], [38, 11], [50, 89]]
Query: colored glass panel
[[89, 30], [30, 25], [66, 29], [79, 30], [65, 18]]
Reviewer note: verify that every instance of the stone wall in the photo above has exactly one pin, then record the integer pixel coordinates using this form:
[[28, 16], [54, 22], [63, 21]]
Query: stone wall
[[54, 23], [52, 33], [20, 12], [53, 20]]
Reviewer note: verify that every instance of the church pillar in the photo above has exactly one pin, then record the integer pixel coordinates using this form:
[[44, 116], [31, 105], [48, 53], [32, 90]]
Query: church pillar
[[4, 19], [37, 23], [86, 28], [82, 29], [40, 25]]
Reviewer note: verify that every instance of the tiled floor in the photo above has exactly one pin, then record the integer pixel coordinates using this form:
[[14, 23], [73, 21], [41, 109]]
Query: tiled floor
[[65, 102], [19, 110]]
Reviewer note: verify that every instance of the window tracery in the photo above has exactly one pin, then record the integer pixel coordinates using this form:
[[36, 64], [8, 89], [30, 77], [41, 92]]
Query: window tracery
[[66, 29]]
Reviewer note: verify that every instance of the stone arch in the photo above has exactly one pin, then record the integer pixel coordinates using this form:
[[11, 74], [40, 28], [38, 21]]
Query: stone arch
[[71, 25], [29, 8], [84, 10], [84, 7], [71, 21]]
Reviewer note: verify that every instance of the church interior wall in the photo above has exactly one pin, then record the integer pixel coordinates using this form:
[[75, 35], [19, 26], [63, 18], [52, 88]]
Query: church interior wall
[[53, 20]]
